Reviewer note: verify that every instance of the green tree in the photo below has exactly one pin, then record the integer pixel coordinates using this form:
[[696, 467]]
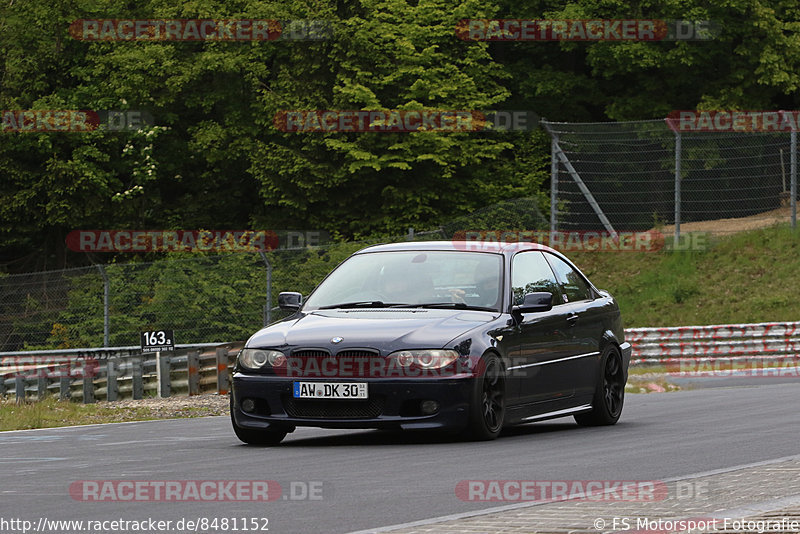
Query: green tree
[[750, 63]]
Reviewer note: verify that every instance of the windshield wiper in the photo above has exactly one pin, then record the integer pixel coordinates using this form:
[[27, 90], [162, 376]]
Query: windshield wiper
[[358, 304], [456, 305]]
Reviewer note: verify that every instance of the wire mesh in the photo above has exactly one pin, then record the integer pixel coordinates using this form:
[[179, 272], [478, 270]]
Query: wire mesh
[[729, 181], [202, 298]]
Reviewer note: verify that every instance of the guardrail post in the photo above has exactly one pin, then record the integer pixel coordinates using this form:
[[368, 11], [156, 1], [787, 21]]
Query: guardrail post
[[2, 385], [162, 368], [222, 370], [19, 386], [136, 373], [41, 387], [63, 384], [193, 371], [112, 371], [88, 383]]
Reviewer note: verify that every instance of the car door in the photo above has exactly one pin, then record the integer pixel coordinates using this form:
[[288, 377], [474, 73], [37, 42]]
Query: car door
[[539, 341], [585, 317]]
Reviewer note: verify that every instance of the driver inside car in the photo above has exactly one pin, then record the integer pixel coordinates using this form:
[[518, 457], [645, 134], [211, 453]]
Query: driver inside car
[[485, 292]]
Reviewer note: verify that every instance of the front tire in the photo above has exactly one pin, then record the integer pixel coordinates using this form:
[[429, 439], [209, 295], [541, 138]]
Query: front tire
[[487, 404], [251, 436], [609, 395]]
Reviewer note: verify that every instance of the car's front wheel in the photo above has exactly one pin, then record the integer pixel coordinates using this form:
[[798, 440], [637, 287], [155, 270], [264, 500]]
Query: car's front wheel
[[257, 436], [487, 403], [609, 393]]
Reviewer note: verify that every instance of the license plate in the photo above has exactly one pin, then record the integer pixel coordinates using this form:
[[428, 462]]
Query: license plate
[[330, 390]]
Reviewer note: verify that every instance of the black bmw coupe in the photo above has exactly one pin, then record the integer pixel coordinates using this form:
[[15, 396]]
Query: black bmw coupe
[[443, 335]]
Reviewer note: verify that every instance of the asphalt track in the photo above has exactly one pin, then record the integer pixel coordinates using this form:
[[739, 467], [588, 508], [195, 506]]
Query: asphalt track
[[371, 479]]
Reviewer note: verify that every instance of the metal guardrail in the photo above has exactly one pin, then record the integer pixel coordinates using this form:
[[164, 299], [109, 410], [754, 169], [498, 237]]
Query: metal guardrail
[[701, 343], [116, 372]]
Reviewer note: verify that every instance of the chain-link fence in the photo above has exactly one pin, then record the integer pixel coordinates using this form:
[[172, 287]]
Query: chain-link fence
[[203, 298], [642, 175], [514, 214]]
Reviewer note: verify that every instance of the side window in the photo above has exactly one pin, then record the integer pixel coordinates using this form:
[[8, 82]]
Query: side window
[[573, 286], [530, 273]]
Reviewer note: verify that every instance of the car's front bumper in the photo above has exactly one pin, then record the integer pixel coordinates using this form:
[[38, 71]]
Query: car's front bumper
[[392, 404], [627, 351]]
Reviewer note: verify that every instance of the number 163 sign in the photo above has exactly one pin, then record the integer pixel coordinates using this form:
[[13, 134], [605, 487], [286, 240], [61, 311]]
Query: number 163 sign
[[158, 341]]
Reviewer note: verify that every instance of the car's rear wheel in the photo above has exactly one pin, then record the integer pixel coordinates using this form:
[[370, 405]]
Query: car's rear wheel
[[609, 394], [487, 405], [257, 436]]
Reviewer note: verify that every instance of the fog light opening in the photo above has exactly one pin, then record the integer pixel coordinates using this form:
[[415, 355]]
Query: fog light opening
[[429, 407], [248, 405]]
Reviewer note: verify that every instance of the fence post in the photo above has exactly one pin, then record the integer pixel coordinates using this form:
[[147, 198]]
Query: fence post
[[136, 372], [19, 386], [268, 306], [106, 285], [793, 177], [222, 370], [553, 187], [677, 188], [562, 157], [112, 388], [193, 370], [162, 368]]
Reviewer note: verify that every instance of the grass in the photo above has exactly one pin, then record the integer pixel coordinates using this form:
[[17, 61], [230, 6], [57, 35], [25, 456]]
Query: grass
[[51, 412], [743, 278]]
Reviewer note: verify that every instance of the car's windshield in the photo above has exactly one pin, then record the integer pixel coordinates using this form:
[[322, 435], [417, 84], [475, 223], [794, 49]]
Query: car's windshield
[[413, 278]]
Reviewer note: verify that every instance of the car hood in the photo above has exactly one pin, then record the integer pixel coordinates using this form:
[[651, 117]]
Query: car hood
[[383, 329]]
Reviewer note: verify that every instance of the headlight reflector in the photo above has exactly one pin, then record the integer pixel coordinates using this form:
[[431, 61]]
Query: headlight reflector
[[426, 359], [259, 358]]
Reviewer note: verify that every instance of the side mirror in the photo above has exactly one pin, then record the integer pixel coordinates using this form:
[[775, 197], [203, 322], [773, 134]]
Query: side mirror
[[535, 302], [289, 301]]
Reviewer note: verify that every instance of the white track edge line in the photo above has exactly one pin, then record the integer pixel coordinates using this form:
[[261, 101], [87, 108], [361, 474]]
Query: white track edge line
[[497, 509]]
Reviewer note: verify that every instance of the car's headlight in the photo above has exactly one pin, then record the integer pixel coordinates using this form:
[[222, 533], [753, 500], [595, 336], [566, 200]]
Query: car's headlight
[[260, 358], [426, 359]]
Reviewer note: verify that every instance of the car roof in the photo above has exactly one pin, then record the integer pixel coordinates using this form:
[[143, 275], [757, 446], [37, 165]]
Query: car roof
[[459, 246], [491, 247]]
